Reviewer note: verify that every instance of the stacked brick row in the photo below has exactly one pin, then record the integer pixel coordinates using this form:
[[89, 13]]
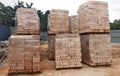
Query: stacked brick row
[[58, 23], [73, 26], [24, 48], [67, 51], [93, 17], [115, 48], [94, 29], [96, 49], [62, 46], [51, 47], [24, 53], [27, 21]]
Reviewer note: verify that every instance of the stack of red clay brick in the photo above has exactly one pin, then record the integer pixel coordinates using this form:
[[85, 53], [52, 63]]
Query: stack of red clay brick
[[27, 21], [93, 17], [24, 53], [67, 51], [96, 49], [24, 50], [73, 24], [51, 47], [58, 23], [115, 48], [63, 46], [94, 29]]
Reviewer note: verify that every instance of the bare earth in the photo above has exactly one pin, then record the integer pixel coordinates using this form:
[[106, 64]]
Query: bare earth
[[48, 68]]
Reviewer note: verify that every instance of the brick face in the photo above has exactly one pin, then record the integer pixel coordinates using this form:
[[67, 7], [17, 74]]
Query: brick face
[[115, 48], [27, 21], [74, 26], [24, 53], [58, 21], [65, 45], [67, 51], [93, 17], [96, 49], [51, 47]]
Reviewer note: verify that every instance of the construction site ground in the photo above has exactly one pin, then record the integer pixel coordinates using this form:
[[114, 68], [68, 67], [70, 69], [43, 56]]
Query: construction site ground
[[48, 68]]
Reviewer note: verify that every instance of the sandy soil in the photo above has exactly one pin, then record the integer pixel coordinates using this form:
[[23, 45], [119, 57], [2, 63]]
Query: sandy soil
[[48, 68]]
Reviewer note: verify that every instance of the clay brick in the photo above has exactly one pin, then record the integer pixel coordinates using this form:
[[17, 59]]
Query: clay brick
[[66, 54], [115, 48], [51, 47], [58, 21], [93, 17], [73, 22], [27, 21], [23, 53], [96, 49]]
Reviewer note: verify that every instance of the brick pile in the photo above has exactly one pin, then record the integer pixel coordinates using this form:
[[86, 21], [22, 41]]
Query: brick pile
[[74, 24], [93, 17], [24, 53], [115, 48], [58, 21], [51, 47], [64, 47], [27, 21], [67, 51], [96, 49], [94, 29], [24, 50]]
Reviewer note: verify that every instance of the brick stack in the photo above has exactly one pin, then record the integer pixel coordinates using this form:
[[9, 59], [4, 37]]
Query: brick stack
[[115, 48], [58, 23], [24, 53], [96, 49], [74, 24], [93, 17], [27, 21], [67, 51], [51, 47], [94, 29], [63, 46], [24, 50]]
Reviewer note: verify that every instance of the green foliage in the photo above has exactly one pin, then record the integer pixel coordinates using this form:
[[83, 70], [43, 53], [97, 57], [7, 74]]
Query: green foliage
[[115, 25], [29, 6], [7, 13], [43, 20], [21, 4]]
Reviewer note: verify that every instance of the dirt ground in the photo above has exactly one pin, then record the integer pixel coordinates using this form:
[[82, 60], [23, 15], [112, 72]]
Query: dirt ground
[[48, 68]]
